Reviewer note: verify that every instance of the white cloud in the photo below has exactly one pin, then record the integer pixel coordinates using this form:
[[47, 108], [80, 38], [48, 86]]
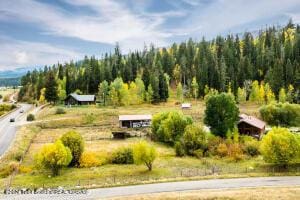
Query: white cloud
[[112, 23], [226, 15], [16, 54]]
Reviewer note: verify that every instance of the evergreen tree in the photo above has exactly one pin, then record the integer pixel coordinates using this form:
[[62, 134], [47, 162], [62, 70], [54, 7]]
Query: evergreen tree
[[51, 88], [163, 88]]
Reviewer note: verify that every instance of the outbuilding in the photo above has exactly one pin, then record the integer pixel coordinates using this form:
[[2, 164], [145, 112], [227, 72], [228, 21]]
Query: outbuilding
[[250, 125], [186, 106], [134, 121], [76, 99]]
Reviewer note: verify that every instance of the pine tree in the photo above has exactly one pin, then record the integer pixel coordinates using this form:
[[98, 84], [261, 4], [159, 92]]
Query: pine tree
[[179, 92], [194, 87], [51, 88], [163, 88]]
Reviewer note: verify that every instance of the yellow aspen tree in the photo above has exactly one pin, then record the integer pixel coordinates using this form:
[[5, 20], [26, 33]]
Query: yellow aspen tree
[[261, 94], [282, 95], [42, 99], [270, 96], [254, 91], [241, 95], [290, 94]]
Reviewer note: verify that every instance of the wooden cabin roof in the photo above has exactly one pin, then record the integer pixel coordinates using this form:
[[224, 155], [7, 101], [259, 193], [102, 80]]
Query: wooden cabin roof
[[253, 121]]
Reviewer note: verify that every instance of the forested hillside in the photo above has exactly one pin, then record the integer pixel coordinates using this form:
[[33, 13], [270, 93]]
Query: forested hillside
[[9, 82], [224, 63]]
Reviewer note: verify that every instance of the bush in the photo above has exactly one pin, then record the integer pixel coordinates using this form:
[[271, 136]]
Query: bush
[[143, 153], [221, 113], [280, 146], [60, 111], [89, 159], [169, 127], [30, 117], [25, 169], [281, 114], [123, 155], [213, 143], [179, 149], [235, 152], [222, 150], [198, 153], [251, 147], [75, 143], [54, 157], [194, 138], [5, 171]]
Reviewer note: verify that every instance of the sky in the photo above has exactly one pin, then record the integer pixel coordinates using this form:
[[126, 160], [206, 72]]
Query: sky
[[44, 32]]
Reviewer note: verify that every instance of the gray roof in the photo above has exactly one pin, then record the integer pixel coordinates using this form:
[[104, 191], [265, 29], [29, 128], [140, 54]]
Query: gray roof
[[134, 117], [252, 121], [83, 97]]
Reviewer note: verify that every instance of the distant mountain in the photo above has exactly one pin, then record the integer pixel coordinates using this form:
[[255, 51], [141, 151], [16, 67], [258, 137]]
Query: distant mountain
[[4, 82], [14, 73]]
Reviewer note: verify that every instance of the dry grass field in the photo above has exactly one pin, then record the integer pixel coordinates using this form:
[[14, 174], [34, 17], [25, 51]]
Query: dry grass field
[[97, 135]]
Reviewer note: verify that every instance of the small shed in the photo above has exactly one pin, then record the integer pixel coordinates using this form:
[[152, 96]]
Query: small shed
[[134, 121], [76, 99], [186, 106], [252, 126]]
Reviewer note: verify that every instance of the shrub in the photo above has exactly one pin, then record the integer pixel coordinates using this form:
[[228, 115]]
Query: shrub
[[179, 149], [213, 143], [251, 147], [222, 150], [143, 153], [198, 153], [54, 157], [60, 111], [25, 169], [30, 117], [235, 152], [75, 143], [281, 114], [280, 146], [123, 155], [169, 127], [18, 156], [221, 113], [5, 171], [89, 159], [194, 138]]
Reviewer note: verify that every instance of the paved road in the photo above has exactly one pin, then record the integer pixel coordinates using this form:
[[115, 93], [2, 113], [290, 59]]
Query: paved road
[[8, 129], [103, 193]]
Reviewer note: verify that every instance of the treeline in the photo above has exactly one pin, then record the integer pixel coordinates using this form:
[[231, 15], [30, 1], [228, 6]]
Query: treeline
[[5, 82], [224, 63]]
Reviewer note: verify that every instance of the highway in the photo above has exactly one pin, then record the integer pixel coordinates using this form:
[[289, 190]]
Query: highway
[[127, 191], [8, 129]]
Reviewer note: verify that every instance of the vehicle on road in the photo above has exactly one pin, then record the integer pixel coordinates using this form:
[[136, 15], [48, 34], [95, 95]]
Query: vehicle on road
[[12, 120], [21, 111]]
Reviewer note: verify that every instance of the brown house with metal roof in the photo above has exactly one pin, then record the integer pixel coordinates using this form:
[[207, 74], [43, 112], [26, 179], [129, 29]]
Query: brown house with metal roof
[[249, 125]]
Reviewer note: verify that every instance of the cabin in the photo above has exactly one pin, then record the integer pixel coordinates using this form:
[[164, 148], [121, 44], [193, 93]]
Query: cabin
[[76, 99], [252, 126], [134, 121], [186, 106]]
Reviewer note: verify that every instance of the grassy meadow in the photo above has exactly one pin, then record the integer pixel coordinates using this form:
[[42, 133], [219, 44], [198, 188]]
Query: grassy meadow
[[96, 131]]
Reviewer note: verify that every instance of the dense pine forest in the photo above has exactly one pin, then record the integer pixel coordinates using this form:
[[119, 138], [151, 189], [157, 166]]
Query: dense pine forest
[[239, 64]]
